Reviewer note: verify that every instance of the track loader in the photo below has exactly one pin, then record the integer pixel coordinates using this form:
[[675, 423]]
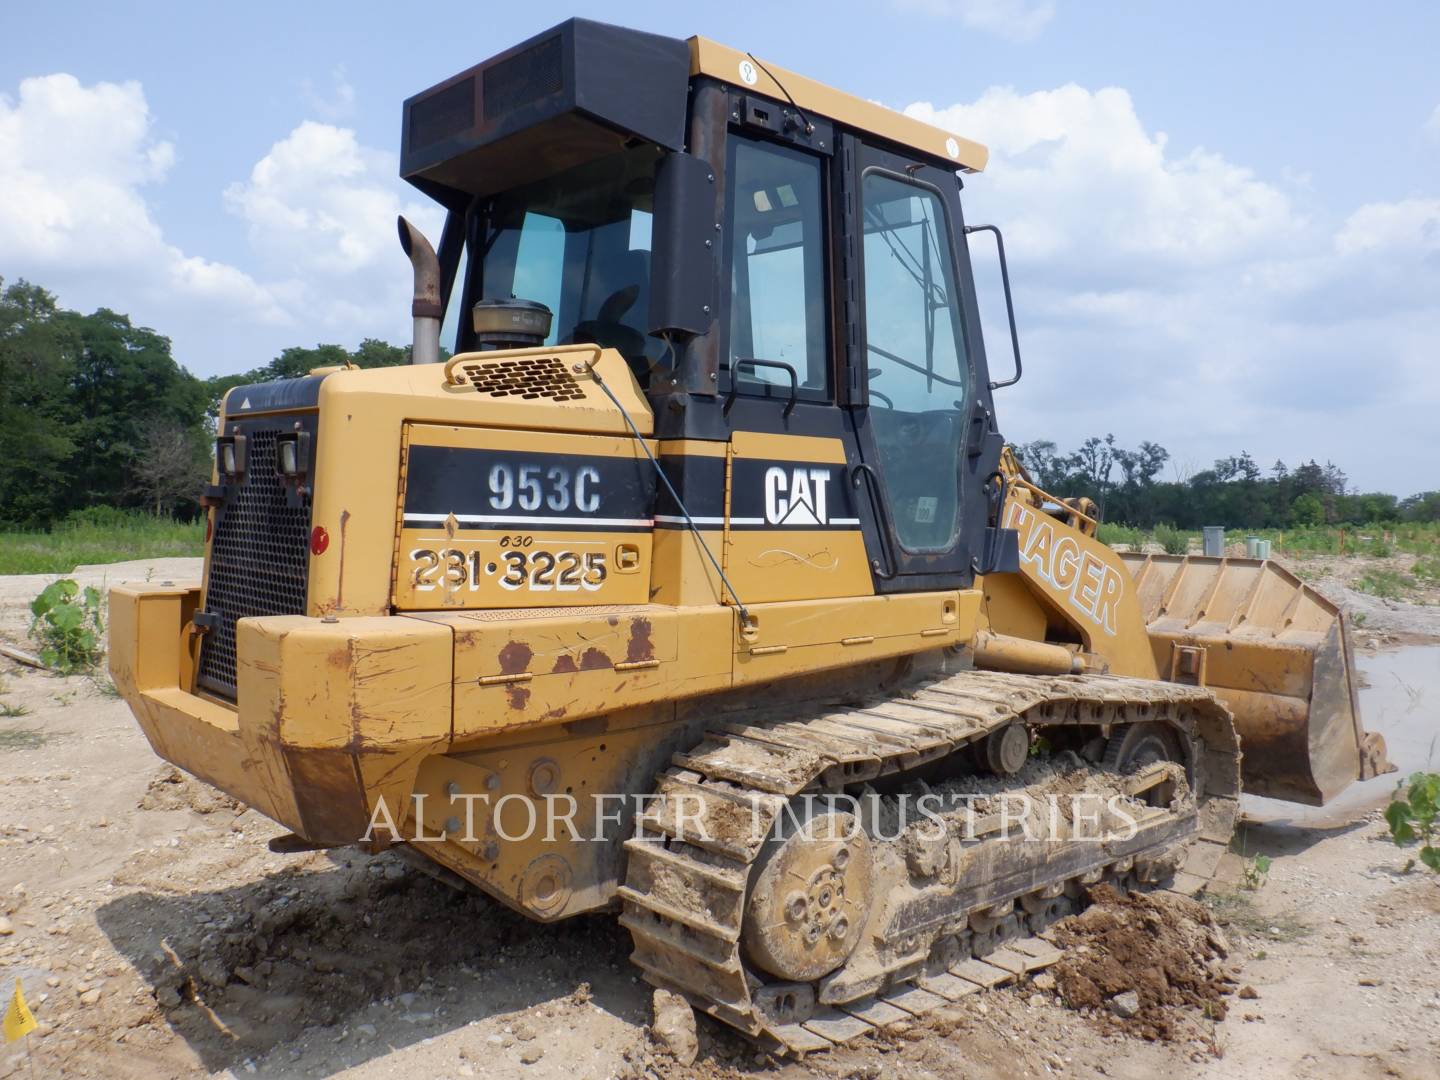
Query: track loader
[[701, 558]]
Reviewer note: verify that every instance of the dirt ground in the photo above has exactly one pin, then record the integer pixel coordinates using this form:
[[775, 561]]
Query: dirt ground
[[156, 935]]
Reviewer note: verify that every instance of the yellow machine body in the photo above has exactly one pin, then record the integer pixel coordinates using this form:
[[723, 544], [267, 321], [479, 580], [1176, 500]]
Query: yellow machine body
[[390, 692], [480, 609]]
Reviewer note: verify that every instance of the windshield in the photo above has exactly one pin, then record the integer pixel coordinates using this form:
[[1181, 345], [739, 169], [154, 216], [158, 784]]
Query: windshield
[[579, 243]]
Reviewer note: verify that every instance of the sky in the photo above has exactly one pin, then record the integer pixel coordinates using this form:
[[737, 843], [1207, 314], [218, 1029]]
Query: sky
[[1222, 220]]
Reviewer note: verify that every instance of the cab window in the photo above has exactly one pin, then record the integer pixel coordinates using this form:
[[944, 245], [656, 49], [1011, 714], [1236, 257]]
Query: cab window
[[777, 270]]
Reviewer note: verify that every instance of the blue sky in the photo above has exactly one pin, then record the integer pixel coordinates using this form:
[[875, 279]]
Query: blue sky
[[1223, 219]]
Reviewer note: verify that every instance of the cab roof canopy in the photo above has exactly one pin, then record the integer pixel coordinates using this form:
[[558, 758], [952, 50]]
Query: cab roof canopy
[[584, 89], [730, 65]]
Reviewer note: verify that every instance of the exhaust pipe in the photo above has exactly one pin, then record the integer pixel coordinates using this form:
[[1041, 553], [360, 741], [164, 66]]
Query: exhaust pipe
[[425, 308]]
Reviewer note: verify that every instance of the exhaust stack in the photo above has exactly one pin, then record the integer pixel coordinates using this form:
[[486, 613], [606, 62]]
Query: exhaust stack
[[425, 308]]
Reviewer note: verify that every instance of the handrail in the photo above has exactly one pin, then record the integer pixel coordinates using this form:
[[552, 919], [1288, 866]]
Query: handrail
[[1054, 499], [752, 362], [1009, 302], [876, 493]]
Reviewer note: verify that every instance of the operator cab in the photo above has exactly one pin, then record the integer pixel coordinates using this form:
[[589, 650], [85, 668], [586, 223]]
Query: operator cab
[[768, 255]]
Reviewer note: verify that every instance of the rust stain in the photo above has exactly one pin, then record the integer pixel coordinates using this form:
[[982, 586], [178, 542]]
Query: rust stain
[[639, 647], [555, 713], [564, 663], [593, 659], [515, 658], [519, 695], [340, 573]]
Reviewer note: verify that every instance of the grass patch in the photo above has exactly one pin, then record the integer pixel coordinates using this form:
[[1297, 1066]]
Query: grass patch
[[1233, 909], [21, 738], [1386, 584], [1427, 570], [117, 536], [106, 686], [1109, 533], [10, 712], [1171, 539]]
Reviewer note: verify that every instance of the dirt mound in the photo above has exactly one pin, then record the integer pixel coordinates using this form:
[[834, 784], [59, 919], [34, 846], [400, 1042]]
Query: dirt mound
[[173, 790], [1163, 948]]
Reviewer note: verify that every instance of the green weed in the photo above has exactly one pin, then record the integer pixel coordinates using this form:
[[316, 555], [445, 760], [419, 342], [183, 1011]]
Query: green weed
[[1237, 909], [1386, 584], [21, 738], [1109, 533], [1171, 539], [1257, 872], [68, 625], [1414, 817]]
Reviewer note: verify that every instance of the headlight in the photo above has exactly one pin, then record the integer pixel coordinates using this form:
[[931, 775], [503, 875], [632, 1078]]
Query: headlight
[[292, 454], [289, 457], [230, 455]]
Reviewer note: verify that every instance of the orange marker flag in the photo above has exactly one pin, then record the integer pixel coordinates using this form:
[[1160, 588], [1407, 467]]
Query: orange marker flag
[[18, 1021]]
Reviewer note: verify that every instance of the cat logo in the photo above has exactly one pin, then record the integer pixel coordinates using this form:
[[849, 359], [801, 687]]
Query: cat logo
[[797, 496]]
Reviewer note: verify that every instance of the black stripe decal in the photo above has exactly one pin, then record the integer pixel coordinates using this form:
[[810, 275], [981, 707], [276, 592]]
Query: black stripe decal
[[769, 494], [514, 489]]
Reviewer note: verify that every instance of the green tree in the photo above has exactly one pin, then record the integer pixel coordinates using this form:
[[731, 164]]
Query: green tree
[[39, 427], [1307, 509], [298, 361], [125, 381]]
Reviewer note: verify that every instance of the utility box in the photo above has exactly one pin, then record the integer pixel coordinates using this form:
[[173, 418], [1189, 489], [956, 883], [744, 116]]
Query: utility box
[[1215, 541]]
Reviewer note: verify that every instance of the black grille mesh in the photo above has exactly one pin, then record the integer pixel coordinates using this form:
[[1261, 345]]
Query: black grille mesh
[[443, 114], [527, 377], [525, 77], [259, 558]]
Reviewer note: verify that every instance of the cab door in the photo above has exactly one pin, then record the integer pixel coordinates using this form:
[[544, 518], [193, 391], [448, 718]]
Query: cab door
[[917, 398]]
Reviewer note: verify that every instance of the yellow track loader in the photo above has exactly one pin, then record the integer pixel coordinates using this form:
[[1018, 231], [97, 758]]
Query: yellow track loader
[[701, 558]]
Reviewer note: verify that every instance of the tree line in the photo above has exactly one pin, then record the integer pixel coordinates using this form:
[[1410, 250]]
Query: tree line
[[1236, 492], [95, 411]]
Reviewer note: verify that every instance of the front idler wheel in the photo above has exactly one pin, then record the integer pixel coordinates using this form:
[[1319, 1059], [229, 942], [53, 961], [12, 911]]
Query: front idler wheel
[[809, 897]]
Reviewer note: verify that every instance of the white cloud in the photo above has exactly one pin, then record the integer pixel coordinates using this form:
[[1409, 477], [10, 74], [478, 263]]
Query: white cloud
[[78, 165], [1094, 184], [1017, 20], [1175, 295], [1432, 126], [338, 104], [320, 208], [74, 165], [319, 200], [1411, 224]]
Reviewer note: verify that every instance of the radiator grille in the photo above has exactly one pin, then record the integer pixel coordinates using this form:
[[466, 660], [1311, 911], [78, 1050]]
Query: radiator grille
[[528, 377], [259, 557]]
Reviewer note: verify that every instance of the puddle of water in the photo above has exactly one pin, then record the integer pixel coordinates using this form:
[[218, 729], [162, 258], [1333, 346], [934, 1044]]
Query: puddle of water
[[1401, 702]]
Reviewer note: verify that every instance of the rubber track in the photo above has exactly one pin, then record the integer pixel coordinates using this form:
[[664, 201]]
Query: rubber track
[[685, 890]]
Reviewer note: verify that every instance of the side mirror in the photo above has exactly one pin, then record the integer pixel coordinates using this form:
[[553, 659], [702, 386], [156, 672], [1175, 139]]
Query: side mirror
[[684, 248]]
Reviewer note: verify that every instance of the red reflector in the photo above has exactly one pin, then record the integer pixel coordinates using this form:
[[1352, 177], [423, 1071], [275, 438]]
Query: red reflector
[[209, 527], [319, 540]]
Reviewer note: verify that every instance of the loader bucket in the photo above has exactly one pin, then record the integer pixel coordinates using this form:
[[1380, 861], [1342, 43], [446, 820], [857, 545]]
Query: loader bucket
[[1277, 653]]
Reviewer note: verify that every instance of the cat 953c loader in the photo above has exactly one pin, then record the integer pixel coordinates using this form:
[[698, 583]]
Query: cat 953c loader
[[707, 514]]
